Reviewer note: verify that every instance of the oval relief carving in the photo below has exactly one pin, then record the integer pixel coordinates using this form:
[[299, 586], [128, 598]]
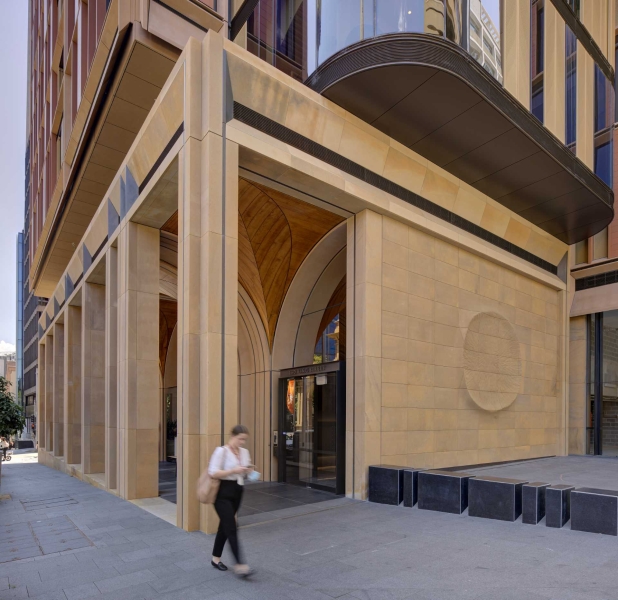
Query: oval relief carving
[[492, 362]]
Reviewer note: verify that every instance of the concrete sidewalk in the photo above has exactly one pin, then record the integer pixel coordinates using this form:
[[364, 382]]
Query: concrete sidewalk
[[61, 539]]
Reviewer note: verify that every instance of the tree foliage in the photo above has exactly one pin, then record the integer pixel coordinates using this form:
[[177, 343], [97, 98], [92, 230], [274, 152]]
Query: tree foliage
[[12, 418]]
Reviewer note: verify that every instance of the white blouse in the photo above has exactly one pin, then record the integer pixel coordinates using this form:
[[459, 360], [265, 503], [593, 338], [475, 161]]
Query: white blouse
[[223, 459]]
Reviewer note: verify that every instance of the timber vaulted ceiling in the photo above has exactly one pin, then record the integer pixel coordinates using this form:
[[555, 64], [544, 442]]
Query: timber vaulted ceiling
[[276, 233], [431, 96]]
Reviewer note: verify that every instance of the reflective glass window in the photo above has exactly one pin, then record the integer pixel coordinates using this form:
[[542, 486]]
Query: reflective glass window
[[339, 25], [537, 46], [603, 121], [290, 39], [456, 18], [571, 89], [393, 16]]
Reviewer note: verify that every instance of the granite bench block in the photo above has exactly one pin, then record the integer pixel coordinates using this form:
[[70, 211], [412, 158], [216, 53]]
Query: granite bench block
[[558, 505], [443, 491], [410, 487], [386, 484], [495, 498], [533, 502], [594, 510]]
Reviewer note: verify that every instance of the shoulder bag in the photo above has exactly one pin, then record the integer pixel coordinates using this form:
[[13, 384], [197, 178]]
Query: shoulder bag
[[207, 486]]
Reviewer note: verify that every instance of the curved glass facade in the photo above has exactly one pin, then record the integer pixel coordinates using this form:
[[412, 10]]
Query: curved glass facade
[[341, 23], [297, 36]]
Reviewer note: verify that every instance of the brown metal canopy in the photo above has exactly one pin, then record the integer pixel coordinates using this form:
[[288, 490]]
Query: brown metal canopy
[[431, 96]]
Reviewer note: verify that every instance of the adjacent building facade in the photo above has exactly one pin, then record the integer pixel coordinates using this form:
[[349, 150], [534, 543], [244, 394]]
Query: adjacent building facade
[[327, 221]]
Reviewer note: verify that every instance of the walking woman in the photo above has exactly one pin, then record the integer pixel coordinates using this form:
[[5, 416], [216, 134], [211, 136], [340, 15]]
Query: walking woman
[[230, 464]]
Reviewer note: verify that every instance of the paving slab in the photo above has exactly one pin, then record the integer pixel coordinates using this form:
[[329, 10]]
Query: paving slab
[[317, 551]]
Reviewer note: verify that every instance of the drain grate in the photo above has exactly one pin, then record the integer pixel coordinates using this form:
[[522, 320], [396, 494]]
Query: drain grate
[[43, 503], [36, 538]]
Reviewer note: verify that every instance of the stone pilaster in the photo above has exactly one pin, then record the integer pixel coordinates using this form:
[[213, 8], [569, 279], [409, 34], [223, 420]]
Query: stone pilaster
[[366, 393], [58, 375], [73, 385], [207, 291], [138, 361], [93, 378], [111, 369], [41, 395], [49, 393]]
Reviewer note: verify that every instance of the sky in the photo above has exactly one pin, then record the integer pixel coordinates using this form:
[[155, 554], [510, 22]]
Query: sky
[[13, 67], [493, 10]]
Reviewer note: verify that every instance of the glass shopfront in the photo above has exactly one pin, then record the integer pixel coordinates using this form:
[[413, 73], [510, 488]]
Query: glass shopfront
[[312, 427], [602, 416]]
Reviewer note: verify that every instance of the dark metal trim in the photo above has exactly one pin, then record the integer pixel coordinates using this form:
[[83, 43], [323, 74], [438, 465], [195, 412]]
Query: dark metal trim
[[241, 17], [318, 369], [161, 157], [598, 280], [583, 35], [428, 51], [599, 263], [280, 132], [179, 14], [598, 382]]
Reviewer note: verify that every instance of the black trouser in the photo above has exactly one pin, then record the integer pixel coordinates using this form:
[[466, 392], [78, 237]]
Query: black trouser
[[227, 505]]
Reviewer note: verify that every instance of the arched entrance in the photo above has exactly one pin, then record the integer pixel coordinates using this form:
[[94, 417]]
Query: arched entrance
[[292, 275]]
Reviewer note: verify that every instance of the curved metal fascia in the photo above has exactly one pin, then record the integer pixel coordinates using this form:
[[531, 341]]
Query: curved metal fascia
[[417, 49]]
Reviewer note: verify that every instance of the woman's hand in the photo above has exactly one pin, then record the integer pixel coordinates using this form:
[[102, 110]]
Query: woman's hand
[[240, 470]]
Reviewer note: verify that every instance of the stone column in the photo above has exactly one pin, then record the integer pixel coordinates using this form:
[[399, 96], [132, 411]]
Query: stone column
[[73, 385], [138, 361], [93, 378], [49, 393], [111, 369], [58, 410], [365, 395], [207, 288], [578, 390], [41, 394]]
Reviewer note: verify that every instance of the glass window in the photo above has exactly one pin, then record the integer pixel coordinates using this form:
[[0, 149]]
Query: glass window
[[476, 51], [571, 89], [455, 21], [408, 15], [260, 31], [489, 68], [602, 411], [603, 121], [489, 48], [537, 50], [290, 41], [475, 26], [339, 25]]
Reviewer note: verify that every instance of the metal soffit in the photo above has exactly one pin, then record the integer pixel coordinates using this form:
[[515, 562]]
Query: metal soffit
[[431, 96]]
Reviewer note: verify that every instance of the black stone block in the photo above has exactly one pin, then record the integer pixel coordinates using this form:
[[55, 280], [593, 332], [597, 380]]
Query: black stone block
[[558, 505], [495, 498], [386, 484], [533, 502], [594, 510], [443, 491], [410, 487]]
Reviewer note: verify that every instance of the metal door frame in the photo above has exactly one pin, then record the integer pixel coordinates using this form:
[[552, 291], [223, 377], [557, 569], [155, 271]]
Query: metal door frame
[[320, 369]]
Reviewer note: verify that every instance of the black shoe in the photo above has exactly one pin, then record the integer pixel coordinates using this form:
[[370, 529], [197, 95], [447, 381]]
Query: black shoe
[[220, 566]]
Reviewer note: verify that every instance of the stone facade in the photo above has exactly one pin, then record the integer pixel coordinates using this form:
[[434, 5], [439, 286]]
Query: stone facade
[[432, 294]]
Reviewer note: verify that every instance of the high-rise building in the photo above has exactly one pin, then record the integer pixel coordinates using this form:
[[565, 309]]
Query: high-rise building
[[372, 231]]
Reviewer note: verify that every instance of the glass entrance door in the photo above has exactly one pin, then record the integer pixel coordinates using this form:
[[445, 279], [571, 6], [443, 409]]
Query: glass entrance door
[[312, 430]]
